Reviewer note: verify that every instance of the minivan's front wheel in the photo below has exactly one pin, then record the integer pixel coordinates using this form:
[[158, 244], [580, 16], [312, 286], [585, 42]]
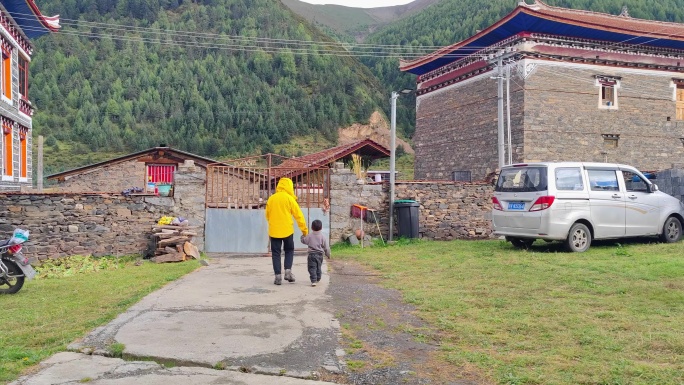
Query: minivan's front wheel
[[579, 238], [672, 230]]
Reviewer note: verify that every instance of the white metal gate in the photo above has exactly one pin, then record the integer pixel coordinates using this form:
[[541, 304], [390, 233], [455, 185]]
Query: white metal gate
[[236, 197]]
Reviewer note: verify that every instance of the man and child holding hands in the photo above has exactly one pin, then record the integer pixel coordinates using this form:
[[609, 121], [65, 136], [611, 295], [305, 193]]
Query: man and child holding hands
[[280, 208]]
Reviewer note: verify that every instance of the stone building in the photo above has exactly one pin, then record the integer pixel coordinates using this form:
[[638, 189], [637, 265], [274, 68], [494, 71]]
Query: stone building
[[20, 21], [156, 166], [584, 86]]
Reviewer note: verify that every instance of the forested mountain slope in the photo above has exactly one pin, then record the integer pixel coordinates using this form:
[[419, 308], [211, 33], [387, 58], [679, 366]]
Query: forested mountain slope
[[350, 24], [125, 75], [450, 21]]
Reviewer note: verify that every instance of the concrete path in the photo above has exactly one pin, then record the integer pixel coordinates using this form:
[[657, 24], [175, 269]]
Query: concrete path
[[228, 315]]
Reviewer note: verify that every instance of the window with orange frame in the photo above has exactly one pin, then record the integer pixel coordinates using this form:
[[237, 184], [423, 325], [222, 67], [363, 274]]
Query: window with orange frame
[[7, 155], [6, 74], [23, 172]]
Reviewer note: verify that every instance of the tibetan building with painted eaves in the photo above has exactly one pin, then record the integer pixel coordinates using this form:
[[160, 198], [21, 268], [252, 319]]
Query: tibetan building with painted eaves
[[584, 86], [20, 21]]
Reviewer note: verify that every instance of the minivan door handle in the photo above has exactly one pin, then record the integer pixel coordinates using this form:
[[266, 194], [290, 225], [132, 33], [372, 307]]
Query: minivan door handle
[[617, 196], [632, 197]]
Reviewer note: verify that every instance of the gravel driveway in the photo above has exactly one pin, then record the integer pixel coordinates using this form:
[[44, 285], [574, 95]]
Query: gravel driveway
[[385, 342]]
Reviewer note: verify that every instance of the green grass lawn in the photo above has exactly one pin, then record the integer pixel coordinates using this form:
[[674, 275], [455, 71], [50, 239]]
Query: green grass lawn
[[50, 313], [611, 315]]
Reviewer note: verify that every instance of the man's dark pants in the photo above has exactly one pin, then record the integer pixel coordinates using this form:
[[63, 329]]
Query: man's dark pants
[[276, 244]]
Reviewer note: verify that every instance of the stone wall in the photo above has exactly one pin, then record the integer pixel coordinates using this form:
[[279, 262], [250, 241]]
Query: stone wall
[[345, 192], [189, 197], [113, 178], [75, 224], [448, 210], [102, 224], [457, 129]]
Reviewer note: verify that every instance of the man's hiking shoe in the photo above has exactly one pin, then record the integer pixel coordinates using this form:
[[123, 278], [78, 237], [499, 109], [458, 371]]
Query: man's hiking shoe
[[278, 279], [313, 283], [289, 276]]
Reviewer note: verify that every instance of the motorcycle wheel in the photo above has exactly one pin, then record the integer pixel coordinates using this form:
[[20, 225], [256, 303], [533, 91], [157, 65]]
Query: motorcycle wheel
[[13, 283]]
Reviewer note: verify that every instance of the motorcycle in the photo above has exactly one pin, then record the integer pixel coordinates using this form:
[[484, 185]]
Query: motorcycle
[[14, 266]]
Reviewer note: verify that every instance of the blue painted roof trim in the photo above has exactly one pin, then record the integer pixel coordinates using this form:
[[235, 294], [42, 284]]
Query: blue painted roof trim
[[27, 19], [523, 22]]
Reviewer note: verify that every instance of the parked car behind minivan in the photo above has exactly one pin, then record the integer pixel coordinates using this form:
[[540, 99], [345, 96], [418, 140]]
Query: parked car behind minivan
[[579, 202]]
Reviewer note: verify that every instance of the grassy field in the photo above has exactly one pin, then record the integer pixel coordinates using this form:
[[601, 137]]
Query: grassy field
[[612, 315], [50, 313]]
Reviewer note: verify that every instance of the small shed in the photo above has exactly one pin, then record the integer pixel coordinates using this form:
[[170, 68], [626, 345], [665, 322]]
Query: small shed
[[153, 167]]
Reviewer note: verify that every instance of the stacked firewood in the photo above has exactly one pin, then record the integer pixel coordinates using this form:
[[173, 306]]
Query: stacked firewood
[[174, 243]]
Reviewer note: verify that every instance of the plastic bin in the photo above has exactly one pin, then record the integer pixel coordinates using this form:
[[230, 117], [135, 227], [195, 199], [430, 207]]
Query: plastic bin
[[164, 189], [407, 218]]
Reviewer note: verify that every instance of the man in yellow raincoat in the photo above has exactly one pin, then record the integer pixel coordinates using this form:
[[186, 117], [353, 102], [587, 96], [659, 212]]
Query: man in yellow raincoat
[[280, 208]]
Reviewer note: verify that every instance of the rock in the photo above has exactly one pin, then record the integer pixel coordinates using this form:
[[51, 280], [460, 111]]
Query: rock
[[72, 228]]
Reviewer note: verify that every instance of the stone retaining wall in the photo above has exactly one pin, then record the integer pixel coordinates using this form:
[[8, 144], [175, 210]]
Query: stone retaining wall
[[448, 210], [102, 224], [75, 224]]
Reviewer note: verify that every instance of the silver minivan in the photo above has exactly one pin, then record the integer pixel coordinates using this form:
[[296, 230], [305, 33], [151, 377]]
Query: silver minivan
[[578, 202]]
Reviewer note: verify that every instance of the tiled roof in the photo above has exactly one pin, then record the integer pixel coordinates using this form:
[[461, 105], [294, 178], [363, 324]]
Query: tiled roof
[[542, 18], [29, 18], [325, 157], [199, 160], [656, 29]]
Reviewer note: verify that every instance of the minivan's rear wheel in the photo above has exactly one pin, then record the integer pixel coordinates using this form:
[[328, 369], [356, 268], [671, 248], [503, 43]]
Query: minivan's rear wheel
[[521, 243], [672, 230], [579, 238]]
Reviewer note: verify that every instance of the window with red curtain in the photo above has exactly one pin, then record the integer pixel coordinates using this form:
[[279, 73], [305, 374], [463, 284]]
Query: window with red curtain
[[23, 77], [159, 173]]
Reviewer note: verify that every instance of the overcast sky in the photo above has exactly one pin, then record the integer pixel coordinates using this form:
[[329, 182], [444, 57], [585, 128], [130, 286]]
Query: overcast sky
[[361, 3]]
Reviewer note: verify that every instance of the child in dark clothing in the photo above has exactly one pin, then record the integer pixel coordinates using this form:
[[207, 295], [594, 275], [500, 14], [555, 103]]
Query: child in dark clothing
[[318, 245]]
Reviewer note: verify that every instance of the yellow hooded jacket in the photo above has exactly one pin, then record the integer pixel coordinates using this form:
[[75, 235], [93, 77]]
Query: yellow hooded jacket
[[280, 208]]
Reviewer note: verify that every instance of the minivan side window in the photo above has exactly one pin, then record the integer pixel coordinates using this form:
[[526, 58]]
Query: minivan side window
[[569, 179], [633, 182], [603, 180]]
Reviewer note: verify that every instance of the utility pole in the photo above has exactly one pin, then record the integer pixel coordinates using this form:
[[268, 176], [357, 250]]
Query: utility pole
[[508, 112], [393, 134], [501, 144]]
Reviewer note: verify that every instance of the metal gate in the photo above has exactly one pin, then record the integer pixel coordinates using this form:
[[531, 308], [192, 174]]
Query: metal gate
[[236, 197]]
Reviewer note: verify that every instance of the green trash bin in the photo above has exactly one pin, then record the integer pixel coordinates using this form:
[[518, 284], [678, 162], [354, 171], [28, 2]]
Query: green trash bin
[[407, 217]]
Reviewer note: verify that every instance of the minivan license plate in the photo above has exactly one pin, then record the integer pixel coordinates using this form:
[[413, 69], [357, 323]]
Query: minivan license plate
[[516, 205]]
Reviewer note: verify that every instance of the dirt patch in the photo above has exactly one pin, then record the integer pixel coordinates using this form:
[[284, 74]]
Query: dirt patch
[[377, 129], [385, 342]]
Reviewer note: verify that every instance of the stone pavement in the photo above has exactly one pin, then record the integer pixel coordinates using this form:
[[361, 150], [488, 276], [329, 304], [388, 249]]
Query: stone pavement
[[227, 315]]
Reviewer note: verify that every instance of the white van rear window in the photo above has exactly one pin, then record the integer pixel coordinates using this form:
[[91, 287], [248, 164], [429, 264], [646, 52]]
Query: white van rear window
[[522, 179]]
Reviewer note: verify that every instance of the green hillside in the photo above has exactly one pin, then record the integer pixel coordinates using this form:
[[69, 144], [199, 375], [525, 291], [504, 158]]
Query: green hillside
[[129, 74], [353, 24]]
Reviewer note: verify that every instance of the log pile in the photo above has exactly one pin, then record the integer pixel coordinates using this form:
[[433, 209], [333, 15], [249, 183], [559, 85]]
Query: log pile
[[174, 243]]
